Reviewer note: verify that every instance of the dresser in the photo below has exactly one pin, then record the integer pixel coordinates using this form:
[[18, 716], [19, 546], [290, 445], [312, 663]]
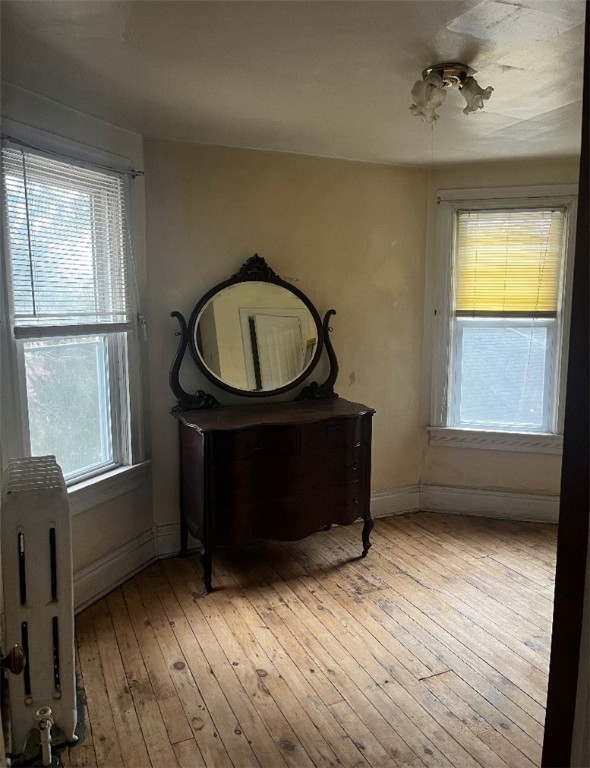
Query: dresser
[[277, 471]]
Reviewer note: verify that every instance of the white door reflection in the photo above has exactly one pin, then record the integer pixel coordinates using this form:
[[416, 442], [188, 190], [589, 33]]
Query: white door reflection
[[275, 347], [255, 336]]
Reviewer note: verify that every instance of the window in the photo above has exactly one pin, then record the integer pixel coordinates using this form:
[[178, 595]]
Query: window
[[68, 286], [501, 317]]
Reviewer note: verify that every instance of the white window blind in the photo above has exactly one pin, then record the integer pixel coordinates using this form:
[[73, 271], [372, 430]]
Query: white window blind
[[508, 262], [67, 245]]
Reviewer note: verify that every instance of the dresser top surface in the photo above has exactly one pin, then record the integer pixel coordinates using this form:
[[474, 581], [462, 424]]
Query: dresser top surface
[[246, 416]]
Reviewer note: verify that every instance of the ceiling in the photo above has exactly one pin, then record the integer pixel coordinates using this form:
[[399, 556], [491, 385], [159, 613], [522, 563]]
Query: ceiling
[[322, 77]]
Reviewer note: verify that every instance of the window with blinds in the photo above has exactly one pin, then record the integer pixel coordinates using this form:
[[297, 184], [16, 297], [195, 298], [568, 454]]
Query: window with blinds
[[69, 309], [508, 267], [508, 262], [68, 234]]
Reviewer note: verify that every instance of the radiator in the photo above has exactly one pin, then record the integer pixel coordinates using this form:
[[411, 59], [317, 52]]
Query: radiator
[[38, 593]]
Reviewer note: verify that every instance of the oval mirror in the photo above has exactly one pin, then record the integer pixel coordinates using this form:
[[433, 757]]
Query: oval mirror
[[255, 337]]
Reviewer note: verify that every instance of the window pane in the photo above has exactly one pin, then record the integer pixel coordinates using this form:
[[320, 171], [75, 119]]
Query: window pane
[[69, 402], [501, 376], [67, 242]]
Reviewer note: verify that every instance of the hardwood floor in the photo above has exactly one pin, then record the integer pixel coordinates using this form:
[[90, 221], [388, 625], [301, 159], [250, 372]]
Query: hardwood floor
[[432, 651]]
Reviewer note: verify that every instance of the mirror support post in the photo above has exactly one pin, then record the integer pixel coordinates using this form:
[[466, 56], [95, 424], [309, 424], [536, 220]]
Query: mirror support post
[[315, 391], [185, 400]]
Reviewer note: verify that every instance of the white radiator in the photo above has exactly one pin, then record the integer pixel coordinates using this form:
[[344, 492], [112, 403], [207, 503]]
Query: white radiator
[[38, 593]]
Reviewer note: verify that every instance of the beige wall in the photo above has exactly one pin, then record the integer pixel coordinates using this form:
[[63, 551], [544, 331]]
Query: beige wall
[[533, 473], [350, 235]]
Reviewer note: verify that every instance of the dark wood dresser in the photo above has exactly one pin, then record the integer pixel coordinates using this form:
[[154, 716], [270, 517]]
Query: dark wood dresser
[[275, 471]]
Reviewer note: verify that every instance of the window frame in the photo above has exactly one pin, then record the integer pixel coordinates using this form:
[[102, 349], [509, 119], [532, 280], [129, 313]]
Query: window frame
[[440, 309], [128, 469]]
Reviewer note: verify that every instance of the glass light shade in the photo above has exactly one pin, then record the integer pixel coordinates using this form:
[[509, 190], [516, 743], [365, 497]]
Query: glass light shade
[[428, 95], [474, 95]]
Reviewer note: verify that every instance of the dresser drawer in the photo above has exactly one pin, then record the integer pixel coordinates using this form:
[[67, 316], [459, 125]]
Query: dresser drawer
[[283, 476], [331, 433], [292, 517], [258, 443]]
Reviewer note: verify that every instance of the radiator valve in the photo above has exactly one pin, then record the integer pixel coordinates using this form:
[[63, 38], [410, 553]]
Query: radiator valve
[[14, 660], [44, 721]]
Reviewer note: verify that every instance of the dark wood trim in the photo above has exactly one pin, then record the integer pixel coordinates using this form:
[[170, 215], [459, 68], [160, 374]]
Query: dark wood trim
[[572, 543], [185, 400], [315, 391]]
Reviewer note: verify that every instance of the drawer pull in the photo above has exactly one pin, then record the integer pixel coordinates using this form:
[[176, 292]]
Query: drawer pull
[[333, 428], [354, 466], [348, 504]]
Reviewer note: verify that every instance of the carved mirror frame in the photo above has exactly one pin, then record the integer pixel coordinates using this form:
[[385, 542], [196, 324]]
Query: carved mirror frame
[[255, 269]]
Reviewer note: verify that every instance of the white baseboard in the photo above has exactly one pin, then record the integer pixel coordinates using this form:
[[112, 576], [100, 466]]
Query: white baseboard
[[100, 577], [505, 505], [395, 502], [167, 540], [103, 575]]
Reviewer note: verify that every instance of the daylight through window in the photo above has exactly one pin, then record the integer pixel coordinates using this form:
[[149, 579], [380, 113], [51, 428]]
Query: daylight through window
[[70, 311], [506, 304]]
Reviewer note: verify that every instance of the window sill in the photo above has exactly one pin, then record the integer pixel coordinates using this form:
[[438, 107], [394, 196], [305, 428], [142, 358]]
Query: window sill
[[97, 490], [496, 441]]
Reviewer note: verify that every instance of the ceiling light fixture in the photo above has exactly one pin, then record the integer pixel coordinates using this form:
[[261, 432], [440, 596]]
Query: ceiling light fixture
[[430, 92]]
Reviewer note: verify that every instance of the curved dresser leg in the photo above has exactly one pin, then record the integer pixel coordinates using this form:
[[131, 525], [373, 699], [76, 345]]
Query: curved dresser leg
[[206, 562], [367, 528]]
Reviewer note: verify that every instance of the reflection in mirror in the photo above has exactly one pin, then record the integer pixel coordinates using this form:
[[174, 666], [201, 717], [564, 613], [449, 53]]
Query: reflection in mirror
[[255, 336]]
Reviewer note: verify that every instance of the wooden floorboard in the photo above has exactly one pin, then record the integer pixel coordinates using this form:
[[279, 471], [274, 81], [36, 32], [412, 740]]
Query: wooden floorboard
[[432, 651]]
